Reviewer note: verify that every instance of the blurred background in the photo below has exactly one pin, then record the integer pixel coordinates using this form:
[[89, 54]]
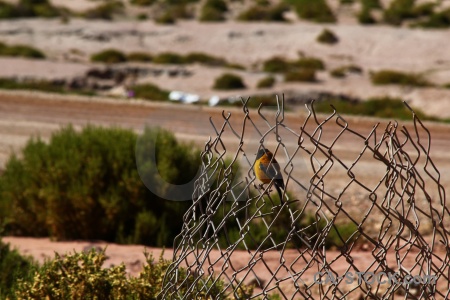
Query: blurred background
[[81, 81]]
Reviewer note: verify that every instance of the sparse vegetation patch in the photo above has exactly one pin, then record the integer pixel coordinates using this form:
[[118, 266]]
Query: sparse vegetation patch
[[266, 82], [327, 37], [382, 107], [273, 13], [20, 51], [313, 10], [396, 77], [229, 81]]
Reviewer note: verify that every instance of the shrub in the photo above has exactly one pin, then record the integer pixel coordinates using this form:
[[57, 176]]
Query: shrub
[[139, 56], [398, 11], [39, 8], [235, 66], [83, 276], [203, 58], [219, 5], [266, 82], [276, 65], [305, 75], [424, 9], [228, 82], [105, 11], [109, 56], [354, 69], [181, 11], [21, 51], [150, 92], [27, 8], [8, 11], [310, 63], [437, 20], [338, 73], [382, 107], [142, 17], [342, 71], [85, 186], [365, 17], [262, 13], [371, 4], [313, 10], [14, 268], [396, 77], [327, 37], [142, 2], [213, 11], [40, 85], [168, 58], [165, 18]]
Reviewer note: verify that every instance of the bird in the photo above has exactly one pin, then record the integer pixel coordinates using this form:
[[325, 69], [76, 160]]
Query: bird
[[267, 169]]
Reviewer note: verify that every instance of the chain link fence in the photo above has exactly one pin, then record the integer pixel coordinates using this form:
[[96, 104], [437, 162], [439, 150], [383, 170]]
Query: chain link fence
[[364, 215]]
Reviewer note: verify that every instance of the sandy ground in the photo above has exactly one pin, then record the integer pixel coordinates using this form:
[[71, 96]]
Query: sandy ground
[[69, 47]]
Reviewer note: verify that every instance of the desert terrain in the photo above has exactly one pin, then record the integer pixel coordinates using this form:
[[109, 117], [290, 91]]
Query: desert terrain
[[69, 45]]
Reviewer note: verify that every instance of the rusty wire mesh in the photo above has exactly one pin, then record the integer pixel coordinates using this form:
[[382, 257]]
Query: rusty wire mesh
[[377, 207]]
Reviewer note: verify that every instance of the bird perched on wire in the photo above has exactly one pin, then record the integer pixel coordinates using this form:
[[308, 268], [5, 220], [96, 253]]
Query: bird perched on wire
[[267, 169]]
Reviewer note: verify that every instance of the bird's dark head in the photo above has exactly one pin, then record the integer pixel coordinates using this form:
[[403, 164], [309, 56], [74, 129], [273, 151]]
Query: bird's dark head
[[261, 152]]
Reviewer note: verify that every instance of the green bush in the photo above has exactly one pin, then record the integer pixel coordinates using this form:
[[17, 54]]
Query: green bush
[[210, 14], [342, 71], [276, 65], [303, 75], [142, 2], [398, 11], [83, 276], [139, 56], [396, 77], [266, 82], [310, 63], [424, 9], [327, 37], [371, 4], [273, 13], [105, 11], [27, 9], [13, 268], [85, 185], [365, 17], [109, 56], [40, 85], [8, 11], [383, 107], [165, 18], [280, 65], [219, 5], [228, 82], [39, 8], [150, 92], [437, 20], [338, 73], [213, 11], [142, 17], [313, 10], [168, 58], [21, 51], [203, 58]]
